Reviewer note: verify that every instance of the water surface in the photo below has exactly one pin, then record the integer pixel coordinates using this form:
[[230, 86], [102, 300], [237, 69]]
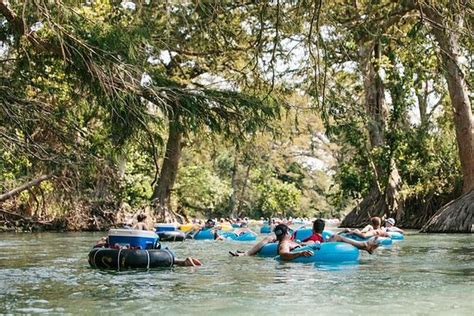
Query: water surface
[[425, 274]]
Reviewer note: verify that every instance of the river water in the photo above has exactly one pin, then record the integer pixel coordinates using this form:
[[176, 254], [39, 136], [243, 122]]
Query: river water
[[425, 274]]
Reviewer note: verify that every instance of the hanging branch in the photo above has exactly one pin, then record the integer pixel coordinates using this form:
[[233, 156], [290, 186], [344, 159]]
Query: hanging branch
[[26, 186]]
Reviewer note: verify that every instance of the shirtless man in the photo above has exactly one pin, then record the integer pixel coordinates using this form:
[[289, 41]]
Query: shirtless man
[[370, 230], [390, 226], [140, 225], [286, 245], [243, 229]]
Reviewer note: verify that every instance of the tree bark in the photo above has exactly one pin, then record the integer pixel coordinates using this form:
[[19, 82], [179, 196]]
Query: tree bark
[[169, 169], [447, 36]]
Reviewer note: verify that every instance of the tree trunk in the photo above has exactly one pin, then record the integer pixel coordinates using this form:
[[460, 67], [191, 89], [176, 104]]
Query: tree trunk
[[375, 203], [374, 92], [234, 184], [421, 92], [455, 217], [244, 188], [169, 169], [447, 36]]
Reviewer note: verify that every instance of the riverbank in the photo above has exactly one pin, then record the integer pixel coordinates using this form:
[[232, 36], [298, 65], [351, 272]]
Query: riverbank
[[83, 218]]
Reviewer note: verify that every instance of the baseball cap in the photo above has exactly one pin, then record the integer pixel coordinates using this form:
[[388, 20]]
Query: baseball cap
[[280, 230]]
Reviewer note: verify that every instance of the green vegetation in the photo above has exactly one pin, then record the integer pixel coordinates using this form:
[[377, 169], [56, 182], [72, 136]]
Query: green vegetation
[[201, 108]]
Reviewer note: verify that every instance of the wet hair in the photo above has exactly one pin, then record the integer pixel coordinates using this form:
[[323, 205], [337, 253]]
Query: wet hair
[[210, 223], [318, 226], [376, 222], [141, 217], [280, 231]]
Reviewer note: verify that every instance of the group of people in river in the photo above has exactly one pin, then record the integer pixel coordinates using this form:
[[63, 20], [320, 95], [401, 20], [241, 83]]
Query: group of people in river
[[286, 242], [281, 233]]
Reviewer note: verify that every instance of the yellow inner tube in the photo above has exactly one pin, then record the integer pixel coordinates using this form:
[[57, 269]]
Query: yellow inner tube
[[226, 227], [186, 227]]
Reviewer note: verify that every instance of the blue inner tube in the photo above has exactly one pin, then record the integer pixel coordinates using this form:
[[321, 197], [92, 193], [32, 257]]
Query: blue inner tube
[[396, 235], [269, 250], [124, 259], [383, 241], [303, 233], [248, 236], [228, 235], [265, 229], [328, 252], [171, 235], [205, 234]]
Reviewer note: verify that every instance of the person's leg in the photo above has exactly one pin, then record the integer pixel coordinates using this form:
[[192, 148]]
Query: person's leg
[[368, 246], [256, 248], [358, 233]]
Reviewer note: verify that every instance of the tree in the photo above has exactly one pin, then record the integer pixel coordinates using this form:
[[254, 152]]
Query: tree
[[447, 24]]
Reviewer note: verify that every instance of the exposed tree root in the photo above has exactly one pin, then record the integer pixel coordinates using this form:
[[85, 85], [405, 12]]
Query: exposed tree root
[[455, 217]]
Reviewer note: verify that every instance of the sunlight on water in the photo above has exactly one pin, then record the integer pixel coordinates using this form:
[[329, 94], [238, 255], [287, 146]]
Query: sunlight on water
[[425, 274]]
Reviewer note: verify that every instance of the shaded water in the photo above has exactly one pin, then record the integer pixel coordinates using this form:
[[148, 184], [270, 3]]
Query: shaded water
[[425, 274]]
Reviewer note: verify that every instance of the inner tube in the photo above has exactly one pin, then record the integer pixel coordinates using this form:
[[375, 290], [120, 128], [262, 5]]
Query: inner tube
[[382, 241], [247, 236], [266, 229], [226, 227], [303, 233], [269, 250], [186, 227], [328, 252], [172, 236], [124, 259], [205, 234], [228, 235], [396, 235], [162, 227]]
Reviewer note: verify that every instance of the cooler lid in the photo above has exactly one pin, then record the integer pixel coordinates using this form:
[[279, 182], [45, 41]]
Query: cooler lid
[[132, 233], [165, 225]]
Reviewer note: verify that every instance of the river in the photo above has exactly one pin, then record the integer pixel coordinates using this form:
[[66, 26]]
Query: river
[[425, 274]]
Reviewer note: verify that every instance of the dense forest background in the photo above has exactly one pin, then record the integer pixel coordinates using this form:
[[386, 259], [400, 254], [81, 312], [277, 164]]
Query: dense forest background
[[227, 108]]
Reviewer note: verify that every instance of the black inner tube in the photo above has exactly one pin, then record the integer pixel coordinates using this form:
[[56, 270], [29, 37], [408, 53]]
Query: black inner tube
[[172, 236], [123, 259]]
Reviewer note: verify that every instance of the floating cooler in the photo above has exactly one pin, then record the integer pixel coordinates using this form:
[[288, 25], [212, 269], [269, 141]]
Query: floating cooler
[[133, 238]]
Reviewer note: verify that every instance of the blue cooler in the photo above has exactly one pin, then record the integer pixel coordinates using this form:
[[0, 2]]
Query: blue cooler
[[165, 227], [133, 238]]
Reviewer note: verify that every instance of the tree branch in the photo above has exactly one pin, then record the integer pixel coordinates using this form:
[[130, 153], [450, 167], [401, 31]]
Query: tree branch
[[26, 186]]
